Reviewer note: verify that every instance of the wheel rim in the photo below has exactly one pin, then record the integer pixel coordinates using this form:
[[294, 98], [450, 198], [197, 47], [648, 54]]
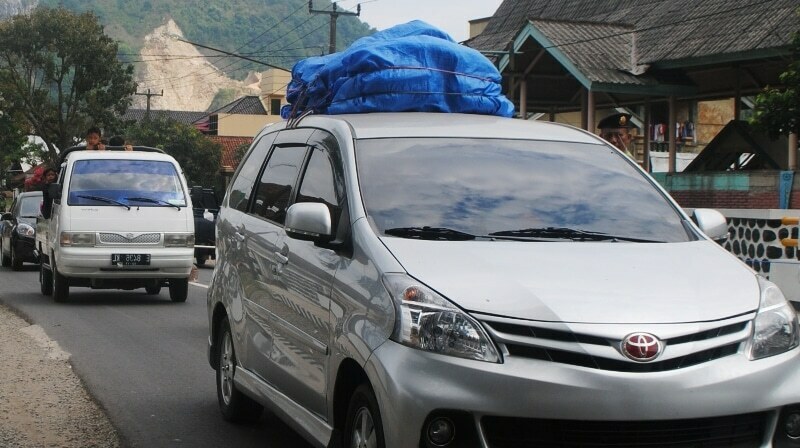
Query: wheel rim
[[226, 368], [364, 435]]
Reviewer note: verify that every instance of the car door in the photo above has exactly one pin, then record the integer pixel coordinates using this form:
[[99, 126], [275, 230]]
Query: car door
[[235, 282], [303, 282], [262, 229], [7, 226]]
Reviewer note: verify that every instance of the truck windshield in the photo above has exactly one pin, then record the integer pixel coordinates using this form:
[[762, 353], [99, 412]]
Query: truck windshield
[[111, 183], [528, 190], [30, 206]]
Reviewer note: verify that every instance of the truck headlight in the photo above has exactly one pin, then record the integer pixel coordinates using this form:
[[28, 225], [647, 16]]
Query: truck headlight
[[26, 230], [427, 321], [775, 328], [178, 240], [77, 239]]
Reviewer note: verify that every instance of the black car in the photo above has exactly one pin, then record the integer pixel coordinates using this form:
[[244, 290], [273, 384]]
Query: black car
[[18, 231]]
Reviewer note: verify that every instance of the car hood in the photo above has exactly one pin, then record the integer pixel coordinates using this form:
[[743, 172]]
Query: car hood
[[586, 282]]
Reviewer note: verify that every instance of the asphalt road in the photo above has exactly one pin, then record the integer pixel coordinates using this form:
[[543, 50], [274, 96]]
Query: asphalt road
[[144, 359]]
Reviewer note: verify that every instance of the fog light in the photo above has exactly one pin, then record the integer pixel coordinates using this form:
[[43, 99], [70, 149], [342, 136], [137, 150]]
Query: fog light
[[792, 425], [441, 431]]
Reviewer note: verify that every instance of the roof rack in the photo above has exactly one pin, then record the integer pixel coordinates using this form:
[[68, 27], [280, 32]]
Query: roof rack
[[63, 155]]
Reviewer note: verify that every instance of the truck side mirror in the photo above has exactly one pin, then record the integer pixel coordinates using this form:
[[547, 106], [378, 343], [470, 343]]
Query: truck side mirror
[[54, 191]]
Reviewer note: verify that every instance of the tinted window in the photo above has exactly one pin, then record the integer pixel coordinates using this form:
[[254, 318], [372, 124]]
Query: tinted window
[[482, 186], [249, 167], [121, 180], [319, 183], [275, 188], [30, 206]]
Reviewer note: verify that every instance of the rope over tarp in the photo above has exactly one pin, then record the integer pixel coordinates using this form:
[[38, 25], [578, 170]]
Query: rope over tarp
[[413, 67]]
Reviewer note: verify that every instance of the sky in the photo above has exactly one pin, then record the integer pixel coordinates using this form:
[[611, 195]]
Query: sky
[[452, 16]]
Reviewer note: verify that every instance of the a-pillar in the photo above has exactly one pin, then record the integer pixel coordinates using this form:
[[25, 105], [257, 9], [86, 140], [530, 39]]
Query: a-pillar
[[673, 120], [523, 99], [793, 151]]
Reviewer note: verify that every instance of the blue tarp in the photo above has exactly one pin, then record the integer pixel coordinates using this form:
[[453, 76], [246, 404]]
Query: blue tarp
[[409, 67]]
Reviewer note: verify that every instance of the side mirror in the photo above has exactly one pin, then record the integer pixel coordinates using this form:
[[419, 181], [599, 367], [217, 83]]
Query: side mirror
[[309, 221], [54, 191], [6, 217], [712, 223]]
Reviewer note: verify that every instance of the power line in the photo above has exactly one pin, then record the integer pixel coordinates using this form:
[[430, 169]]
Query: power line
[[334, 16]]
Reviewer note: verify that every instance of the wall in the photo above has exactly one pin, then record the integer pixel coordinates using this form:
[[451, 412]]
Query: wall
[[739, 190], [241, 125]]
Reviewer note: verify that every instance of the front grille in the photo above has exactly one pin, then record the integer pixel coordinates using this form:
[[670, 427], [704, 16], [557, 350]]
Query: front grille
[[588, 350], [746, 430], [116, 238]]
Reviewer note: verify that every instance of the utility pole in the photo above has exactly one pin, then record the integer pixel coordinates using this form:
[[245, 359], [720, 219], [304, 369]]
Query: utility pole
[[334, 15], [148, 95]]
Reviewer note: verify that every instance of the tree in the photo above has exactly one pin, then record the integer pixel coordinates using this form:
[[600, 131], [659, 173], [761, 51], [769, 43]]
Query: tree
[[12, 141], [198, 156], [59, 72], [777, 111]]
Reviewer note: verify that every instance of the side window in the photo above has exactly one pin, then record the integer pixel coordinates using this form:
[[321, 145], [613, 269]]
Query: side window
[[322, 181], [245, 179], [275, 188]]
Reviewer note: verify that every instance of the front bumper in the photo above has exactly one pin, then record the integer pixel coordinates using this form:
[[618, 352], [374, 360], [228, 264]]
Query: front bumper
[[412, 385], [93, 262]]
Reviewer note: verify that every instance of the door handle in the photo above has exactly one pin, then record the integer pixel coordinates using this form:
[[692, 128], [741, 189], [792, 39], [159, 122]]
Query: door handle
[[282, 259], [239, 236]]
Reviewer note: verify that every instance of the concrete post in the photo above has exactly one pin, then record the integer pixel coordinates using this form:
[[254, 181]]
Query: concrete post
[[583, 110], [590, 112], [523, 99]]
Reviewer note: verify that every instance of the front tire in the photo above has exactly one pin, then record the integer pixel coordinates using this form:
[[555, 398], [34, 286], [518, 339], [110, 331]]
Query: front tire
[[178, 289], [363, 426], [45, 280], [234, 405], [60, 286], [16, 262]]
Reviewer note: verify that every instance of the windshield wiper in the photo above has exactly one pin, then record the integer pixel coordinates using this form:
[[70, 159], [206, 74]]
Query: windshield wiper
[[104, 199], [153, 201], [445, 234], [568, 233]]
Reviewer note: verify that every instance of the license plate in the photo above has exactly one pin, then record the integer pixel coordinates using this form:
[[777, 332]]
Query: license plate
[[130, 259]]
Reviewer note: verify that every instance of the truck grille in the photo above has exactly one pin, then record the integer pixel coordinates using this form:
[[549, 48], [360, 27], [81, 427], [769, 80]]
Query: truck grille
[[593, 351], [746, 430], [116, 238]]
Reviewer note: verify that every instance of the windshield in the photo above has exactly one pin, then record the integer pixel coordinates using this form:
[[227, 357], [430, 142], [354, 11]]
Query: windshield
[[536, 190], [118, 182], [30, 206]]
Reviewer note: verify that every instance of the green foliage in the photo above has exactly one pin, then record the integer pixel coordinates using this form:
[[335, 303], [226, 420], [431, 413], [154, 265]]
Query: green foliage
[[223, 97], [290, 32], [198, 156], [777, 111], [59, 75]]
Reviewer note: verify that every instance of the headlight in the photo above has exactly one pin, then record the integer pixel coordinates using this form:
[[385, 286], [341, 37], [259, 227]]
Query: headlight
[[77, 239], [179, 240], [26, 230], [428, 321], [775, 326]]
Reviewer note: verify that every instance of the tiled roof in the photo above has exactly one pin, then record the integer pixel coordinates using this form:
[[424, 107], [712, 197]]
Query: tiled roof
[[665, 30], [229, 147], [250, 105], [182, 116]]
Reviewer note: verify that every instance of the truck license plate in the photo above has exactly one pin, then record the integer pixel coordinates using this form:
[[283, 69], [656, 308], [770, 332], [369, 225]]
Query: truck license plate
[[130, 259]]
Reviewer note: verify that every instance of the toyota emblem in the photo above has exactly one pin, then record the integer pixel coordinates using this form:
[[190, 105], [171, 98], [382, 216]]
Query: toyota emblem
[[641, 347]]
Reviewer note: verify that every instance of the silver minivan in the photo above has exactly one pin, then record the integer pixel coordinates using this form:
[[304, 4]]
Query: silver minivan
[[445, 280]]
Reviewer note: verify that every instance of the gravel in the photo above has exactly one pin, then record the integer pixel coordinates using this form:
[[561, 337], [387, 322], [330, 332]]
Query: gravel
[[42, 401]]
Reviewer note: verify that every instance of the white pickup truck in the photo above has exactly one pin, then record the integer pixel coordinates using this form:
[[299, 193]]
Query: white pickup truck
[[118, 220]]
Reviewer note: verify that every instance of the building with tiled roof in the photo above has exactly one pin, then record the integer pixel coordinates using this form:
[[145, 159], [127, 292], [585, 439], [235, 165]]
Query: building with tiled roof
[[181, 116], [230, 149], [664, 61]]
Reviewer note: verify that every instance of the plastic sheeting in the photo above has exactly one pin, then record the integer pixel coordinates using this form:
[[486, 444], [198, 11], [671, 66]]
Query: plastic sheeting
[[409, 67]]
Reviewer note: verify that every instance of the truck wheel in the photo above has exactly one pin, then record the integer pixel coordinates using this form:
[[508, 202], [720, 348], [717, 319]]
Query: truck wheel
[[16, 262], [178, 289], [60, 286], [45, 280], [234, 405]]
